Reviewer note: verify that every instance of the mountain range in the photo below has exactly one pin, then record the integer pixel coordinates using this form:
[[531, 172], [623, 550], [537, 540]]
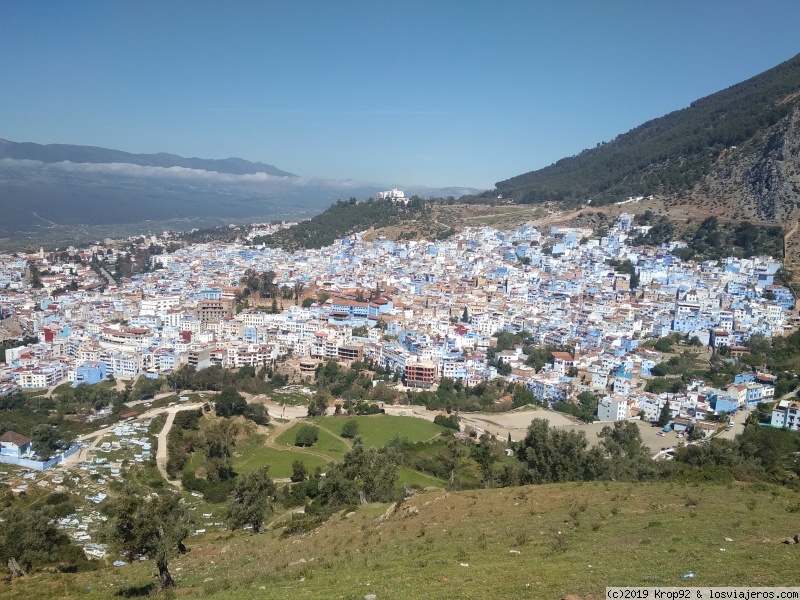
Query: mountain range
[[736, 151], [59, 192], [59, 153]]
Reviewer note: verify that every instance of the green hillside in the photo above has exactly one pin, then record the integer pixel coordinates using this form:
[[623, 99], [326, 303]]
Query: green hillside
[[600, 516], [340, 220], [525, 542], [668, 154]]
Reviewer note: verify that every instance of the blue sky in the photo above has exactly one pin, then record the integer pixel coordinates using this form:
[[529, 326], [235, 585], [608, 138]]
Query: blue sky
[[430, 92]]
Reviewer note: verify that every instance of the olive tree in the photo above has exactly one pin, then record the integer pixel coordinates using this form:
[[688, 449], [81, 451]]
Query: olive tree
[[29, 539], [251, 501], [151, 526]]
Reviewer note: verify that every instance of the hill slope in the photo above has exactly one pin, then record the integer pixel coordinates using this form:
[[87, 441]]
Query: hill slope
[[738, 147], [542, 541], [59, 193]]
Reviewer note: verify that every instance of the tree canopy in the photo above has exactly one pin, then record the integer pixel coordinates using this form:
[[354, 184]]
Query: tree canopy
[[31, 538], [152, 526], [668, 154], [230, 403], [251, 501]]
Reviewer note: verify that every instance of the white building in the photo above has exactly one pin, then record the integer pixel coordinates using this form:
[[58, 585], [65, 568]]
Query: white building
[[786, 414], [613, 408], [394, 195]]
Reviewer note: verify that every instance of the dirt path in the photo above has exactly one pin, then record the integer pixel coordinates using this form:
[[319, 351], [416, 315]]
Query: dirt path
[[792, 231], [161, 453], [786, 239], [271, 443], [346, 442]]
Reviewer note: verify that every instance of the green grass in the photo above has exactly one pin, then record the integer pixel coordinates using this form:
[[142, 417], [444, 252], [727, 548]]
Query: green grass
[[253, 454], [327, 444], [417, 479], [612, 534], [378, 430], [66, 388]]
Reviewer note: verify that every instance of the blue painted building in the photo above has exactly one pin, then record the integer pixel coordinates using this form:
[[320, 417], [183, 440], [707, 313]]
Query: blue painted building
[[89, 373]]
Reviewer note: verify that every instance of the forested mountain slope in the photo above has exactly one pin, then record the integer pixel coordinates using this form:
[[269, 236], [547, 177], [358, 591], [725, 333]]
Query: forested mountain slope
[[737, 148]]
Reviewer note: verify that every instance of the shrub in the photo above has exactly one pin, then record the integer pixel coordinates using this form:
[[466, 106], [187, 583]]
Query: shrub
[[299, 471], [306, 435], [192, 483], [350, 429], [257, 413], [450, 422], [218, 492]]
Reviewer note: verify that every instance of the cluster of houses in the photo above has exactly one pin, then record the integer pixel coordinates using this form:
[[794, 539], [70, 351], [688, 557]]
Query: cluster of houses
[[433, 310]]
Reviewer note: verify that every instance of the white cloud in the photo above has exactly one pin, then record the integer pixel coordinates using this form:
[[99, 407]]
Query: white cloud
[[132, 170], [186, 174]]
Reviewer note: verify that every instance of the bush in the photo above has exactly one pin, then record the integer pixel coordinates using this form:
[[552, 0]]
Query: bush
[[663, 345], [192, 483], [299, 471], [350, 429], [187, 419], [450, 422], [301, 524], [367, 408], [306, 435], [257, 413], [279, 380], [218, 492]]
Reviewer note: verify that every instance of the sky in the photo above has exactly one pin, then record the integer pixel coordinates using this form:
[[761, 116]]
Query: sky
[[412, 92]]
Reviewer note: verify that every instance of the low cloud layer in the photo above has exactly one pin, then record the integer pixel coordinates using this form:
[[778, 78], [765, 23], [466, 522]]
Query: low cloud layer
[[181, 173]]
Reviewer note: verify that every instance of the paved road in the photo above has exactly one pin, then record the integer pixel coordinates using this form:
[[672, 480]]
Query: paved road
[[738, 419]]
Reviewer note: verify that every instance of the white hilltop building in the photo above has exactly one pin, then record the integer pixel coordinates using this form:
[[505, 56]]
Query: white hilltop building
[[394, 195]]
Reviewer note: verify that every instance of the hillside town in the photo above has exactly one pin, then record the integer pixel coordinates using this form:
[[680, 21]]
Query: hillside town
[[423, 310]]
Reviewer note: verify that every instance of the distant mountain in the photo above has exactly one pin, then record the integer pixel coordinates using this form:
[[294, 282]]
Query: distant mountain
[[60, 193], [445, 192], [56, 153], [736, 151]]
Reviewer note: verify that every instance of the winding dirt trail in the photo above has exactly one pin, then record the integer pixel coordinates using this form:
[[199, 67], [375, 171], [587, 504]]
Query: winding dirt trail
[[161, 453]]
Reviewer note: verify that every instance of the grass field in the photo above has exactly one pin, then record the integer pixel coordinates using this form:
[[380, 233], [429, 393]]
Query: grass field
[[415, 478], [253, 454], [66, 387], [525, 542], [378, 430], [327, 444]]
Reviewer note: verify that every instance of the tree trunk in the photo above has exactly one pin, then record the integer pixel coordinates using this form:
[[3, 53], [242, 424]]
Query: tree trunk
[[13, 566], [164, 578]]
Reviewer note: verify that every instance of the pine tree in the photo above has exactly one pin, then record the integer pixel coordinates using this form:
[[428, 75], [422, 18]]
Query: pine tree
[[665, 415]]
